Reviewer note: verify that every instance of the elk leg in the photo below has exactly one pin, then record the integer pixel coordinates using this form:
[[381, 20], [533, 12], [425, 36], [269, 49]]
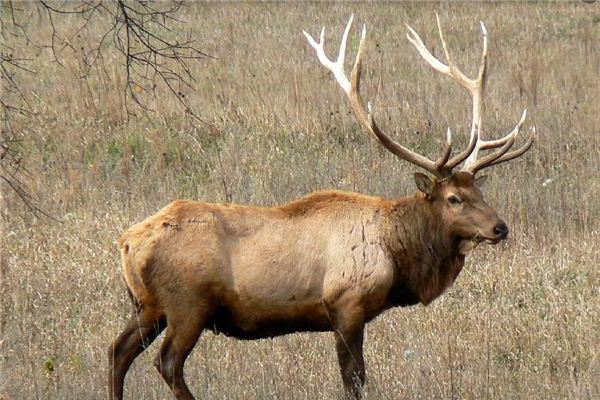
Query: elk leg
[[349, 346], [180, 339], [140, 332]]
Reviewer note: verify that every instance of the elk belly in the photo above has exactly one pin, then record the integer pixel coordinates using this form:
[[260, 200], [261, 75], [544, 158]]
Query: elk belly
[[254, 322]]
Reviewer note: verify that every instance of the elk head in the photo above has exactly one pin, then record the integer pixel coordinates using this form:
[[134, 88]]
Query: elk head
[[453, 191], [458, 201]]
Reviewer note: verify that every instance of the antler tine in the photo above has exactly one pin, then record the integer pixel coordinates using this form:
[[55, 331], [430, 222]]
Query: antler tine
[[364, 115], [451, 69], [490, 158], [475, 87], [441, 163], [508, 141], [463, 155], [436, 64], [515, 153], [483, 65], [492, 144], [337, 67], [502, 155]]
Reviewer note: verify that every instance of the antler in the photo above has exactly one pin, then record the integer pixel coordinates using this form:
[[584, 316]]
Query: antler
[[364, 115], [476, 88], [443, 166]]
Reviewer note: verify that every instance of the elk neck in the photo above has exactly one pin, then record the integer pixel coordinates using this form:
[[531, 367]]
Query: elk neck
[[426, 256]]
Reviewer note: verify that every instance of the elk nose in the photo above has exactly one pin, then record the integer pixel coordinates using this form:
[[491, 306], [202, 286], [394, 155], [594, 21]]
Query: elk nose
[[501, 230]]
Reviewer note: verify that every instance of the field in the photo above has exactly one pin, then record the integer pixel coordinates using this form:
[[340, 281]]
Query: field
[[523, 318]]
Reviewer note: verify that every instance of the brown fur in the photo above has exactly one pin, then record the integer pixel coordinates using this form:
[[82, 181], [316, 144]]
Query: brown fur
[[330, 261]]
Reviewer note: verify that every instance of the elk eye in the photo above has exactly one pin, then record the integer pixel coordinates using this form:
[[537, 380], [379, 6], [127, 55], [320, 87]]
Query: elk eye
[[454, 200]]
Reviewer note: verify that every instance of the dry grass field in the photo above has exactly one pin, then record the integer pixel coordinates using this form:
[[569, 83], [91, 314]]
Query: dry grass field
[[521, 322]]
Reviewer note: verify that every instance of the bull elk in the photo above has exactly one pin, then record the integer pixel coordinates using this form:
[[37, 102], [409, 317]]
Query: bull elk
[[330, 261]]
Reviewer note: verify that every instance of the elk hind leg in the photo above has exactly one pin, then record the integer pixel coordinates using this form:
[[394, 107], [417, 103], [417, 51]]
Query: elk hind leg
[[182, 334], [141, 330]]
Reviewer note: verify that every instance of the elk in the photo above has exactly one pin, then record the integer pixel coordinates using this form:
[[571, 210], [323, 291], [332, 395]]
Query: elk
[[329, 261]]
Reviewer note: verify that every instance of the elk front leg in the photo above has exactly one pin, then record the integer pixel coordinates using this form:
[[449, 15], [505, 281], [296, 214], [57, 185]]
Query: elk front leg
[[349, 346]]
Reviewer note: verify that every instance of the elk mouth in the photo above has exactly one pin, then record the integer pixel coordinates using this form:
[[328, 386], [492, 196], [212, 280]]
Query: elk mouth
[[492, 241], [466, 245], [478, 238]]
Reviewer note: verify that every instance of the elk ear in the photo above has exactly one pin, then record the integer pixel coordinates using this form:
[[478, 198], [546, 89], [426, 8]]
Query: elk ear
[[424, 183], [480, 181]]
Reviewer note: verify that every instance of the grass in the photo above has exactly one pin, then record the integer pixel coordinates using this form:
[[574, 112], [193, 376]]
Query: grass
[[520, 322]]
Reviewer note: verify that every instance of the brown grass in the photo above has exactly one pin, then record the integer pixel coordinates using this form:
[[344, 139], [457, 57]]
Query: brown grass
[[523, 319]]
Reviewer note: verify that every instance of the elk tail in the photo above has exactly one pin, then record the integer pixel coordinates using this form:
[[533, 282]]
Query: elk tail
[[135, 286]]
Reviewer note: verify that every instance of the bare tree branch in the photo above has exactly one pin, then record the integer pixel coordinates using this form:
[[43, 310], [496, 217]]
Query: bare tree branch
[[13, 102], [141, 31]]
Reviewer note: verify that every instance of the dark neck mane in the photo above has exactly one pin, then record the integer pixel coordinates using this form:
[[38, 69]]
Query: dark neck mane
[[427, 259]]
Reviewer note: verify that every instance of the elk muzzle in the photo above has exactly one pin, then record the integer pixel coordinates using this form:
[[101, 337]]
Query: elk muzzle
[[501, 231]]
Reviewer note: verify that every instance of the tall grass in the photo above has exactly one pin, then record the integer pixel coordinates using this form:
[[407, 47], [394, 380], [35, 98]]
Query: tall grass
[[522, 319]]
